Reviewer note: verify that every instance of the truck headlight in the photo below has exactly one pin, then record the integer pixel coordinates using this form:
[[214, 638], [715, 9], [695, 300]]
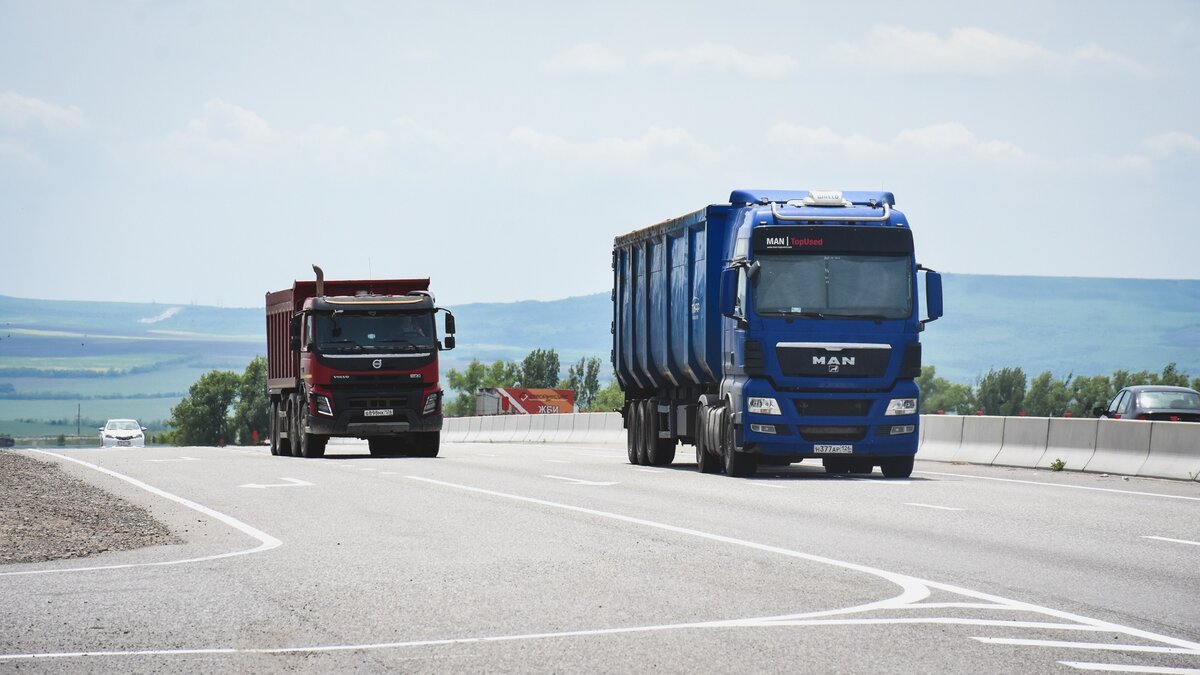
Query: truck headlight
[[902, 406], [324, 405], [761, 405], [431, 403]]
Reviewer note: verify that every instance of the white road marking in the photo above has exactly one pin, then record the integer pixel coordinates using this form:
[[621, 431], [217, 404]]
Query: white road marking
[[578, 481], [757, 483], [643, 470], [387, 473], [266, 541], [932, 506], [291, 482], [1122, 668], [1060, 485], [1173, 541], [559, 461], [1098, 646], [177, 459]]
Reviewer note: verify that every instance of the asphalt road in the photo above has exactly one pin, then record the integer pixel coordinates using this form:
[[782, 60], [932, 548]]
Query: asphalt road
[[568, 559]]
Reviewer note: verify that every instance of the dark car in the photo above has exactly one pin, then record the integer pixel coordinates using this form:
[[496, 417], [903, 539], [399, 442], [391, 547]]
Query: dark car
[[1153, 402], [6, 441]]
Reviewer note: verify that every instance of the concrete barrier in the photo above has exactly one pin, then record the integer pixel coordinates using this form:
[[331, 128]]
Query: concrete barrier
[[1174, 451], [941, 437], [981, 440], [1073, 441], [1124, 447], [1024, 441], [1121, 447]]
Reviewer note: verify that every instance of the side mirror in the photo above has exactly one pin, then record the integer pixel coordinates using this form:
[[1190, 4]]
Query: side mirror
[[729, 278], [294, 329], [450, 324], [933, 295], [448, 343], [1097, 411]]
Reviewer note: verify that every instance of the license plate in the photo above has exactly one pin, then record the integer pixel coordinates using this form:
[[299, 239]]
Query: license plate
[[833, 449], [381, 412], [124, 444]]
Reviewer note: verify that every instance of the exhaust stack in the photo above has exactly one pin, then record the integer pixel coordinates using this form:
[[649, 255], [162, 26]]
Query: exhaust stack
[[320, 281]]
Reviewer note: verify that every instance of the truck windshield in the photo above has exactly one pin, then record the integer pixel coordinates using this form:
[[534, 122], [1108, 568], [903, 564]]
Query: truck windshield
[[834, 286], [342, 331]]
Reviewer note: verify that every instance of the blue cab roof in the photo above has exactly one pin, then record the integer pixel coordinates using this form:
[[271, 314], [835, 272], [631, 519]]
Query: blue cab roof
[[738, 197]]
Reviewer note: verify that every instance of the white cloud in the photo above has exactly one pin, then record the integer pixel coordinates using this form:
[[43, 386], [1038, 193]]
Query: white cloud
[[950, 138], [968, 51], [586, 58], [656, 143], [1172, 143], [723, 59], [19, 112]]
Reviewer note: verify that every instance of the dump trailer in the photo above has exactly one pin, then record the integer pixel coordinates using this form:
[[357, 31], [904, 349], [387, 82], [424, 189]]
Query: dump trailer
[[779, 327], [355, 359]]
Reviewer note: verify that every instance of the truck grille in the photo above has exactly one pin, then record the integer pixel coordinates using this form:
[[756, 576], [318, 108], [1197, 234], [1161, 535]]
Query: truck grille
[[823, 407], [823, 434], [375, 403]]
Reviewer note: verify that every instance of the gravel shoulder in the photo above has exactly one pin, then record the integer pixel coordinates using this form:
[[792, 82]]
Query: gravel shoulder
[[46, 514]]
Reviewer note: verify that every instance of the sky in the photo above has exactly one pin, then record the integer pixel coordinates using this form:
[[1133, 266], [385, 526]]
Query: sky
[[209, 152]]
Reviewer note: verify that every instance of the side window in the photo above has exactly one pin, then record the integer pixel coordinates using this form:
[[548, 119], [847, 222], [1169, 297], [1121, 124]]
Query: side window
[[741, 292], [309, 331], [1125, 403]]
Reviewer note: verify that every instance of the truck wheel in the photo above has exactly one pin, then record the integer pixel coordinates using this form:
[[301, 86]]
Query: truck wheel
[[896, 467], [631, 432], [706, 462], [279, 446], [643, 435], [737, 464], [659, 451], [862, 466], [311, 445], [426, 444], [381, 446]]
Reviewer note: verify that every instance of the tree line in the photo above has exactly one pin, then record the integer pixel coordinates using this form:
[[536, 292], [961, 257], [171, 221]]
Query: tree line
[[1006, 392], [538, 370], [222, 407]]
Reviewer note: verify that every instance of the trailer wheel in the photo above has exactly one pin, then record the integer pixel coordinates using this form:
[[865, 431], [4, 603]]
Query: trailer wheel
[[383, 446], [862, 466], [643, 436], [659, 451], [706, 462], [737, 464], [836, 465], [631, 432], [279, 446], [426, 444], [896, 467]]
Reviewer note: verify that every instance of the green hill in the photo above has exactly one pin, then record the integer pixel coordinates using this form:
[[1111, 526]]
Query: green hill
[[104, 360]]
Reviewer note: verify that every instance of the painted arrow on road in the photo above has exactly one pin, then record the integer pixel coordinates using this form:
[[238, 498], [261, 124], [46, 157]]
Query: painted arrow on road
[[291, 482], [577, 481]]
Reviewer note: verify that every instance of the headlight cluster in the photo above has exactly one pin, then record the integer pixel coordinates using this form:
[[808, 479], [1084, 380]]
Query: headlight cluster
[[761, 405], [902, 406], [431, 403], [324, 405]]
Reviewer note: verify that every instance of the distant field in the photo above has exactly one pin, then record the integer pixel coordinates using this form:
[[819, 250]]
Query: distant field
[[145, 410]]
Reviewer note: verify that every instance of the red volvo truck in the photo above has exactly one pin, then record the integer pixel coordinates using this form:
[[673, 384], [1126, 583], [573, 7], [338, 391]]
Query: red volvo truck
[[355, 359]]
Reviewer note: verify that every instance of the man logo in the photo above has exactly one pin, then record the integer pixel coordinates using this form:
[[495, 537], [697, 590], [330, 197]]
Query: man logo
[[377, 364]]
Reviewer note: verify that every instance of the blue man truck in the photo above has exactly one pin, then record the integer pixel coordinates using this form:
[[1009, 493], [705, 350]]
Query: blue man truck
[[779, 327]]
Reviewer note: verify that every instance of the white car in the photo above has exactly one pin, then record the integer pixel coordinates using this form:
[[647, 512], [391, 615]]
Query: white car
[[123, 434]]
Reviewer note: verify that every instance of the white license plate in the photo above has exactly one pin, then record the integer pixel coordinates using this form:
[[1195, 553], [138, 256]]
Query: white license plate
[[833, 449], [382, 412], [124, 444]]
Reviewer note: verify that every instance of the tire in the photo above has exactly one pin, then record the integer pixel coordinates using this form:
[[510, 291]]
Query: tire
[[277, 443], [706, 462], [643, 436], [631, 429], [737, 464], [381, 446], [896, 467], [659, 451], [312, 446], [426, 444]]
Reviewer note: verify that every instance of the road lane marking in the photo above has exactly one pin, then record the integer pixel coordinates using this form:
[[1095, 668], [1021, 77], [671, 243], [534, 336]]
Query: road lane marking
[[579, 481], [291, 482], [559, 461], [1060, 485], [757, 483], [1123, 668], [638, 468], [1173, 541], [932, 506], [1098, 646], [266, 541]]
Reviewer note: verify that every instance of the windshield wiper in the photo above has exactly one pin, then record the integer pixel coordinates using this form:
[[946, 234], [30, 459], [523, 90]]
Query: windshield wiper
[[789, 315], [342, 343]]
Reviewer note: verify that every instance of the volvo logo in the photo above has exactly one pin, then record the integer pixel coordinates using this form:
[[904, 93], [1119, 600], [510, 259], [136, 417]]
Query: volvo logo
[[377, 364]]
